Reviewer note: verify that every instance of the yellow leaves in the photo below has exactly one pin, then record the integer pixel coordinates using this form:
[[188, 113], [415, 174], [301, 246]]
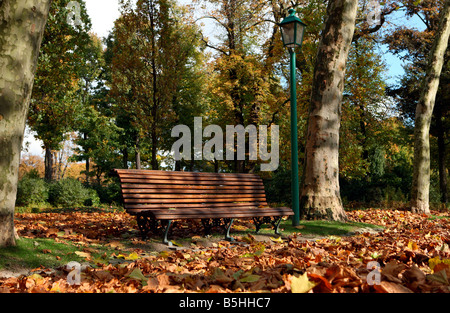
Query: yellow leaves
[[412, 245], [301, 284], [436, 264], [58, 286], [248, 239], [82, 254], [38, 279], [131, 257], [440, 269], [279, 239]]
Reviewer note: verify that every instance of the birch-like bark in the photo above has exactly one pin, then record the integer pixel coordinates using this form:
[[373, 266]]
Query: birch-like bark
[[424, 110], [22, 24], [320, 194]]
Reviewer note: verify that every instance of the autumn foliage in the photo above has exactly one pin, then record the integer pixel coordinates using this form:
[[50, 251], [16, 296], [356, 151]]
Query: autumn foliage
[[412, 253]]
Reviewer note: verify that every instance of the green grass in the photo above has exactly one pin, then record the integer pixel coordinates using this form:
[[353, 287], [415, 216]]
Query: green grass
[[307, 228], [434, 217], [33, 253], [320, 228]]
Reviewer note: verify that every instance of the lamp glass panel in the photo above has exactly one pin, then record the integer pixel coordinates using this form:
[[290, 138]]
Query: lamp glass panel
[[299, 33], [288, 34]]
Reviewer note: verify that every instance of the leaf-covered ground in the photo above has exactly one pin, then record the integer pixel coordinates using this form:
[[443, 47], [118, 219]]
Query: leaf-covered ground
[[411, 254]]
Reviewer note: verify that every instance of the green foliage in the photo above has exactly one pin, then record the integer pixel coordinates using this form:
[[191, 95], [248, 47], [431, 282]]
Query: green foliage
[[278, 187], [413, 45], [70, 192], [62, 59], [155, 47], [389, 179], [32, 191], [108, 193], [98, 142], [377, 162]]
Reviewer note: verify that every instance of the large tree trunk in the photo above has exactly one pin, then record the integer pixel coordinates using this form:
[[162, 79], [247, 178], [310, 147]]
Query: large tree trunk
[[424, 110], [22, 24], [137, 155], [49, 166], [320, 195], [442, 155]]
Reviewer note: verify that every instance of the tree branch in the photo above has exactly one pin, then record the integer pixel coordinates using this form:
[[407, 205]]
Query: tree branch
[[366, 31], [214, 18], [212, 47]]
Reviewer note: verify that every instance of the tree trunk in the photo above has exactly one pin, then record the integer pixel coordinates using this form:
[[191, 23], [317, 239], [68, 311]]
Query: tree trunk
[[22, 24], [88, 164], [442, 153], [155, 103], [424, 110], [154, 149], [320, 195], [138, 153], [49, 167], [442, 157], [125, 158]]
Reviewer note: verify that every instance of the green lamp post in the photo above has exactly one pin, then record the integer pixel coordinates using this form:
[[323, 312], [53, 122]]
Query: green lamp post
[[292, 30]]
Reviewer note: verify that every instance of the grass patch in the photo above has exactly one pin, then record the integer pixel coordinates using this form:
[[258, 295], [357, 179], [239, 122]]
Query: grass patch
[[320, 228], [317, 228], [35, 252], [437, 217]]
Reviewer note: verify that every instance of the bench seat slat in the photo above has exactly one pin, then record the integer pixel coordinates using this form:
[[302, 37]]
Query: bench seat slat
[[194, 213], [217, 215]]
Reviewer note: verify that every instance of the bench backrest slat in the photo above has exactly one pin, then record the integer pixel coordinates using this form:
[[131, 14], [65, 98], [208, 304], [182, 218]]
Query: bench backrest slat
[[147, 190], [219, 189]]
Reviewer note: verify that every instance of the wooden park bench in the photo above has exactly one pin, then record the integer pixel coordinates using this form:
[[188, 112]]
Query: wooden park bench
[[159, 197]]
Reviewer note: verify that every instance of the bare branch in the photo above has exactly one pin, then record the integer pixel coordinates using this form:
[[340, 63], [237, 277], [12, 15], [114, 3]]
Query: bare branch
[[213, 47], [366, 31]]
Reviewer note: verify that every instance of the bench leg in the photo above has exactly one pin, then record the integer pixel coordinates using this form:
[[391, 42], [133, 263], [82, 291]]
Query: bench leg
[[144, 224], [260, 221], [207, 225], [276, 224], [228, 222], [166, 233]]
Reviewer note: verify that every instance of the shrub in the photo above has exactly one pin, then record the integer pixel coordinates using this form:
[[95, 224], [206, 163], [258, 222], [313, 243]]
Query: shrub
[[31, 191], [91, 197], [70, 192], [108, 192], [278, 189]]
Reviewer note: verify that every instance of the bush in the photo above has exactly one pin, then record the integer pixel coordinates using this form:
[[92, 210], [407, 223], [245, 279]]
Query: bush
[[70, 192], [278, 189], [108, 193], [92, 198], [32, 191]]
